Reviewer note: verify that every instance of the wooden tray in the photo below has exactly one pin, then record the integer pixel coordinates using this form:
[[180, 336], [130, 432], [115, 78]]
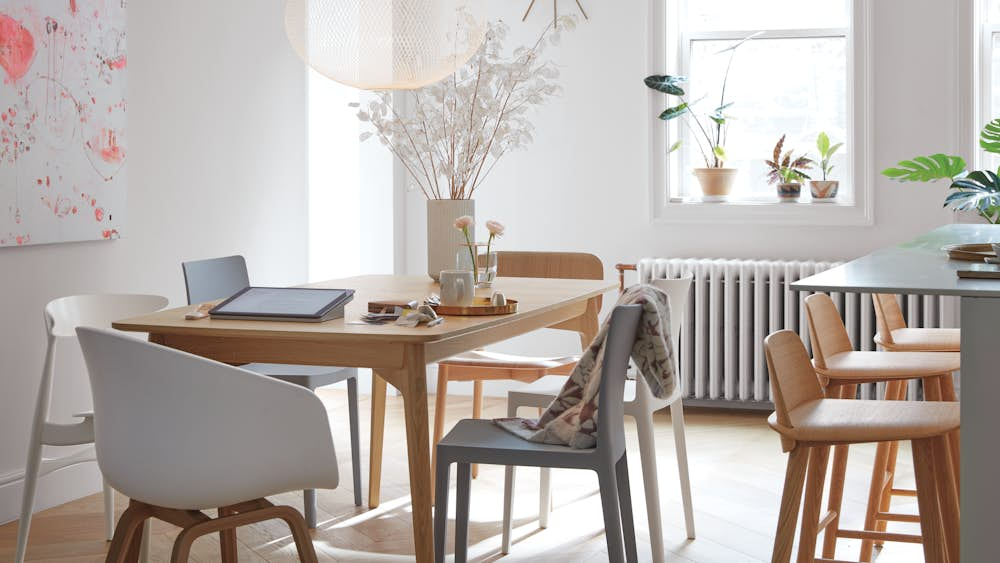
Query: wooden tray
[[481, 306], [969, 252]]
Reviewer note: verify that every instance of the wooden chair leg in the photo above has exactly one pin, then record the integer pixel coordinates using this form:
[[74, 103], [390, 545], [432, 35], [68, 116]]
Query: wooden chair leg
[[300, 533], [127, 539], [899, 394], [440, 406], [227, 539], [947, 496], [880, 486], [267, 511], [791, 498], [838, 473], [818, 460], [477, 412], [927, 500], [880, 475], [377, 431], [954, 438]]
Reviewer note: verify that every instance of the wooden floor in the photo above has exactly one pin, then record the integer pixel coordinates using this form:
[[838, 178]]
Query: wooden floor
[[737, 470]]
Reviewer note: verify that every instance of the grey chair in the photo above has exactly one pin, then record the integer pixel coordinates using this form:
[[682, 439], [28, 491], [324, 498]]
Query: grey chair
[[480, 441], [218, 278]]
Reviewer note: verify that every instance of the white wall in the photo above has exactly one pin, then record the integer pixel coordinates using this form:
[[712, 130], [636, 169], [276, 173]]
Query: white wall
[[584, 183], [217, 165]]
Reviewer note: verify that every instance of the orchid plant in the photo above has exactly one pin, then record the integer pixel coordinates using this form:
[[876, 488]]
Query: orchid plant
[[456, 130]]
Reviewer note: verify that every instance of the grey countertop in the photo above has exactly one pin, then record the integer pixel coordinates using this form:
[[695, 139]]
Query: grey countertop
[[915, 267]]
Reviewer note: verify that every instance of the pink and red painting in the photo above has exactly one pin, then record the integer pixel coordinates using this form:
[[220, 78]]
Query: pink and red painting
[[63, 145]]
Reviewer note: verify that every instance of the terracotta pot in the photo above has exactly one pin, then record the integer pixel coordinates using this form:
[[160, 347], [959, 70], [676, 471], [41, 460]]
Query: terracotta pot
[[716, 183], [790, 191], [443, 239], [824, 189]]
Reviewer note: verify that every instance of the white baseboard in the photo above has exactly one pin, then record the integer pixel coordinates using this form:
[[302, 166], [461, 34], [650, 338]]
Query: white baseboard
[[58, 487]]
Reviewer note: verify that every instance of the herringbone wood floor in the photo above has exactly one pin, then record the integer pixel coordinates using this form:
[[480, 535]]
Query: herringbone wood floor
[[737, 470]]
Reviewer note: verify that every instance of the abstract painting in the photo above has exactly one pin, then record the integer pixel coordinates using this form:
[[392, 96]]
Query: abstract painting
[[62, 120]]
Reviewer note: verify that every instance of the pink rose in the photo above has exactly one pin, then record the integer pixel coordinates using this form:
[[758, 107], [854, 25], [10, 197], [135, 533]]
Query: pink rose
[[463, 222], [495, 228]]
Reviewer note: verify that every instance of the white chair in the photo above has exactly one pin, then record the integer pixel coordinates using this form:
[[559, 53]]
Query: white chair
[[178, 434], [640, 404], [62, 317]]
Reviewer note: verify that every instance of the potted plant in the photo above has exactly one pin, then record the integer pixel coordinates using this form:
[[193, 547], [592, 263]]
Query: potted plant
[[454, 131], [978, 190], [787, 171], [825, 189], [708, 130]]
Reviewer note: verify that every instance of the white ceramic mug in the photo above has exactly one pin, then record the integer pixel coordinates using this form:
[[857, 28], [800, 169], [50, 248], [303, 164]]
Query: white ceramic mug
[[458, 287]]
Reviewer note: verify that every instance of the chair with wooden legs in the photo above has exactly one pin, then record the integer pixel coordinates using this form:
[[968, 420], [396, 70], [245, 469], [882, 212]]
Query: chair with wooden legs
[[178, 434], [480, 365], [640, 404], [894, 336], [217, 278], [809, 424], [841, 370], [62, 316]]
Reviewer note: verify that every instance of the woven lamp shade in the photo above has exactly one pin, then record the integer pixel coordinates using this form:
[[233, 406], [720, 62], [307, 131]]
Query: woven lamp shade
[[383, 44]]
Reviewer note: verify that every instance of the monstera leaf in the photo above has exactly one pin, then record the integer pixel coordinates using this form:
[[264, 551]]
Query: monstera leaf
[[927, 168], [666, 84], [989, 137], [980, 190]]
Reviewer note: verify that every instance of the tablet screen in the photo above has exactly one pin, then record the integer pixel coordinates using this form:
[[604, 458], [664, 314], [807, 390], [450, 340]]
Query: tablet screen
[[282, 301]]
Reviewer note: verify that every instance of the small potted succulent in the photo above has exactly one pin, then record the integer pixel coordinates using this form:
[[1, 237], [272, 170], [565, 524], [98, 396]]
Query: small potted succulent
[[787, 171], [825, 189]]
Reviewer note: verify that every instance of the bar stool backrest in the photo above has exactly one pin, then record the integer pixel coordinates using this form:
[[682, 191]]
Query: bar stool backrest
[[793, 379], [888, 315], [826, 328]]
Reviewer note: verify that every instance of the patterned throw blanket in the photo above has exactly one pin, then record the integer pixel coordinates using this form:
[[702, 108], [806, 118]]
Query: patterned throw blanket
[[571, 418]]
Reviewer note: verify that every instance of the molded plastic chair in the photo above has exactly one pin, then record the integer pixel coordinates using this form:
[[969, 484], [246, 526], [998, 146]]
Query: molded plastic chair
[[479, 365], [640, 404], [219, 278], [62, 316], [893, 335], [842, 369], [481, 441], [178, 433], [809, 424]]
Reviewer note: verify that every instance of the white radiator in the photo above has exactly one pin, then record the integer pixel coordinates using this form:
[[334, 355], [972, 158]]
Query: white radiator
[[734, 304]]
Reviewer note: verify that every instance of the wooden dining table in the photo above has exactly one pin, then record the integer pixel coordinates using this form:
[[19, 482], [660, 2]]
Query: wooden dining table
[[397, 355]]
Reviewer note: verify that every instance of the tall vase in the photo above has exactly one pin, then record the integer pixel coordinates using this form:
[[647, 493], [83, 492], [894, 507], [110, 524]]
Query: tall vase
[[443, 239]]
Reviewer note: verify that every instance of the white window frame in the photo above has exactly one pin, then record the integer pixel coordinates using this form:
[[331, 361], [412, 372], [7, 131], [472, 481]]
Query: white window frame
[[667, 54], [984, 110]]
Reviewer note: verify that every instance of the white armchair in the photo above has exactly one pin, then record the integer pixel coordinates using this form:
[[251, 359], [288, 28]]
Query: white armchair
[[178, 433]]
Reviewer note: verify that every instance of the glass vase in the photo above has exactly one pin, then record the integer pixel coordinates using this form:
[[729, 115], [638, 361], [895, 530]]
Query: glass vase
[[486, 269]]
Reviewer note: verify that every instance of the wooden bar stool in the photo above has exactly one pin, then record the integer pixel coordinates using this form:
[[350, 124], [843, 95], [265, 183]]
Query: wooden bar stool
[[809, 424], [841, 370], [894, 336]]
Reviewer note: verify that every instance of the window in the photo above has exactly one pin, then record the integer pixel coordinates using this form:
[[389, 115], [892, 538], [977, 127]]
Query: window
[[797, 77], [990, 77]]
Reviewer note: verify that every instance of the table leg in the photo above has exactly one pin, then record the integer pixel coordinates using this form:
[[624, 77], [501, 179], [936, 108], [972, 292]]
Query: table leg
[[980, 418], [377, 432], [589, 325], [412, 383]]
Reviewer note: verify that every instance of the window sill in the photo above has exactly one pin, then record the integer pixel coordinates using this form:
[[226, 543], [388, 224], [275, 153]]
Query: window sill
[[765, 212]]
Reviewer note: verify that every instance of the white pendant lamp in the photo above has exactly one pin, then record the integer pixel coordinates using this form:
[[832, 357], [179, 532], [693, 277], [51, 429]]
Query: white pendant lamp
[[383, 44]]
